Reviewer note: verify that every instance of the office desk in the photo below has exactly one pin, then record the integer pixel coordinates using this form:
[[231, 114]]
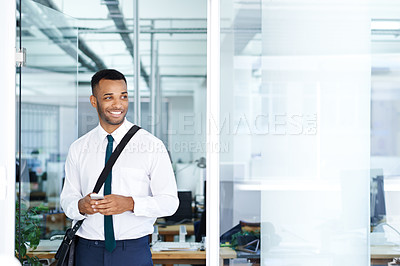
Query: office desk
[[166, 257], [42, 254], [226, 253], [189, 257], [159, 257], [382, 254], [169, 231], [179, 257]]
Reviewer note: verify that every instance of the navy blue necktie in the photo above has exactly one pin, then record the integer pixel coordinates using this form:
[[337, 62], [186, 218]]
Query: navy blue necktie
[[108, 222]]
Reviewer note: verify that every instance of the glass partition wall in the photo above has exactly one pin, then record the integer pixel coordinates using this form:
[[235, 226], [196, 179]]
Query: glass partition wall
[[295, 131], [172, 50], [46, 119], [385, 171], [173, 47], [298, 121], [54, 89]]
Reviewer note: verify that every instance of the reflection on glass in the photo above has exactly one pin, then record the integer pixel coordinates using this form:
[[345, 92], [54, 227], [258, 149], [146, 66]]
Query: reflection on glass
[[175, 65], [173, 55], [295, 125], [385, 171], [48, 119]]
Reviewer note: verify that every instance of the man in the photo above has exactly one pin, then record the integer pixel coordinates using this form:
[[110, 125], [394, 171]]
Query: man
[[116, 228]]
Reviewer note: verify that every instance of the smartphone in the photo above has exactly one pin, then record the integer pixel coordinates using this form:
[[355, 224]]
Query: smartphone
[[96, 196]]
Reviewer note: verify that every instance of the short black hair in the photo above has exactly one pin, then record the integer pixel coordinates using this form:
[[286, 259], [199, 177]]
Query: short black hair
[[110, 74]]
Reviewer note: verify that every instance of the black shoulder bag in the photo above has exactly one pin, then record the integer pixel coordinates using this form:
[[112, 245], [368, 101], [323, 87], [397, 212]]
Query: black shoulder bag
[[67, 247]]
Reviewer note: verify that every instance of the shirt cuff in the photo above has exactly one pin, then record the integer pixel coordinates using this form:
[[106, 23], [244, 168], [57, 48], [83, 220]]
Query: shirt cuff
[[75, 210], [140, 206]]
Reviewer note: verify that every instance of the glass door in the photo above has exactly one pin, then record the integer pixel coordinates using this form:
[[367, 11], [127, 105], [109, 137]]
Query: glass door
[[294, 132], [46, 120]]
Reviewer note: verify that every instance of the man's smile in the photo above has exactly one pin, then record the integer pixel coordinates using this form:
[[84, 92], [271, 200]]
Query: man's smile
[[115, 113]]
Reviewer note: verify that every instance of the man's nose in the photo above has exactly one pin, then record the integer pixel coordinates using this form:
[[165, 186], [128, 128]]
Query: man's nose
[[117, 103]]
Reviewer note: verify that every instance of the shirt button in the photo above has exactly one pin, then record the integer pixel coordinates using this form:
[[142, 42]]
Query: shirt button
[[96, 243]]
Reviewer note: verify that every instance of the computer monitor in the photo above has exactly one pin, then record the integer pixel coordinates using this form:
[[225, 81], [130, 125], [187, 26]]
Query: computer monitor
[[377, 198], [184, 212]]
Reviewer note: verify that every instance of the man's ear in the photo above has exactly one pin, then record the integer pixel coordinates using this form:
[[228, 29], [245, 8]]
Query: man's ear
[[93, 101]]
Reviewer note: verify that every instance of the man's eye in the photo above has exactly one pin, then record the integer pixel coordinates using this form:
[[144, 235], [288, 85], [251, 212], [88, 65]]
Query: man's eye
[[124, 97], [107, 98]]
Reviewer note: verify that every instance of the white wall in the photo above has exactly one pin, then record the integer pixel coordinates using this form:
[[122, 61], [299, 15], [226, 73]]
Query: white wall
[[182, 127], [199, 107], [7, 128], [68, 128]]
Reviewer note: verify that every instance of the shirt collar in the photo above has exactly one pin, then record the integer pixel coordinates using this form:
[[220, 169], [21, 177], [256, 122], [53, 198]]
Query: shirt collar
[[118, 134]]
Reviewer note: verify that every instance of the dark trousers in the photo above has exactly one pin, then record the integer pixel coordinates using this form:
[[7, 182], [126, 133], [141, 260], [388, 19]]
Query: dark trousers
[[128, 252]]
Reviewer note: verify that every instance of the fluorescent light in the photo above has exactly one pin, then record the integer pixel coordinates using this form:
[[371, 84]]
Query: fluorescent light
[[385, 25]]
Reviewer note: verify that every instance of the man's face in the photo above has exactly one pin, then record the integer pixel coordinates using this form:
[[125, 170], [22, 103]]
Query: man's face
[[111, 102]]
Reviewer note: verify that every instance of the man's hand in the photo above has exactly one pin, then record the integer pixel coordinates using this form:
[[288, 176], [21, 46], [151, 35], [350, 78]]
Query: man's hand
[[113, 204], [85, 205]]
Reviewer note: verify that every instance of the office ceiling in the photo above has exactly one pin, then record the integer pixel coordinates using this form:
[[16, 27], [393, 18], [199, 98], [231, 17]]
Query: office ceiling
[[178, 28]]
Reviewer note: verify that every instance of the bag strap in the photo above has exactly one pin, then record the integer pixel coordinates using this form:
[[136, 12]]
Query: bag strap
[[114, 156], [70, 234]]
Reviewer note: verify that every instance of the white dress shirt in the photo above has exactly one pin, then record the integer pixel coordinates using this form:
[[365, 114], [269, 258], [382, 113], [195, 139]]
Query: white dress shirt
[[143, 171]]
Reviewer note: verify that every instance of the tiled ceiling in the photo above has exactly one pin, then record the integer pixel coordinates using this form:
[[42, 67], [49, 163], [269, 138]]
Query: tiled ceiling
[[178, 29]]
